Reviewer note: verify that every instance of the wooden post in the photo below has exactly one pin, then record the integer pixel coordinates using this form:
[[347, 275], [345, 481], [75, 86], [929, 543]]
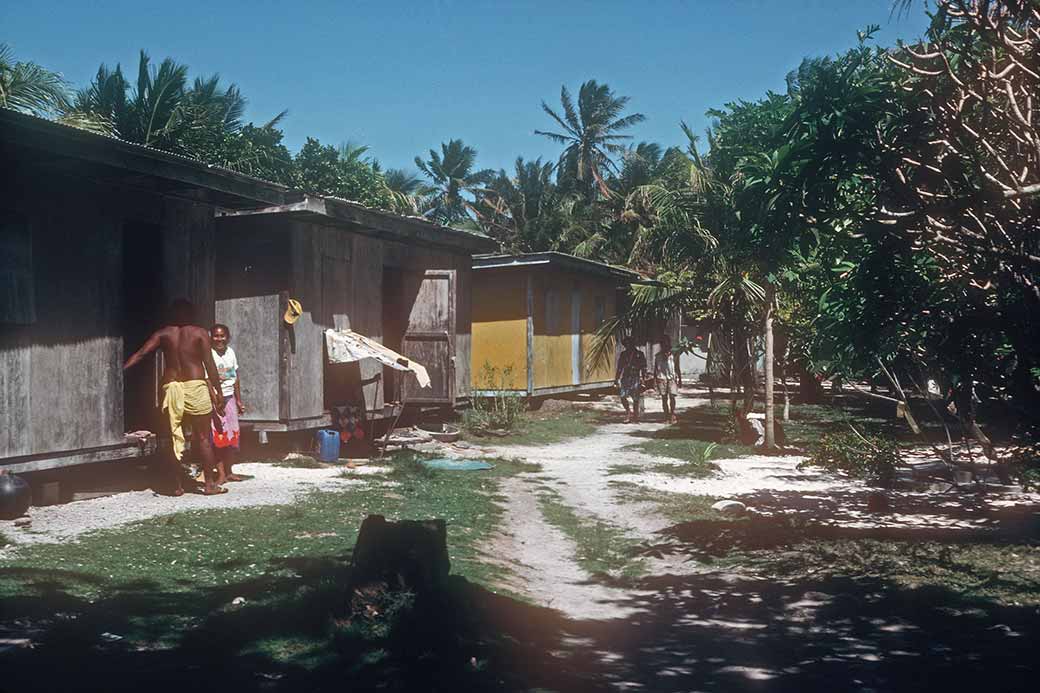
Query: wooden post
[[770, 405]]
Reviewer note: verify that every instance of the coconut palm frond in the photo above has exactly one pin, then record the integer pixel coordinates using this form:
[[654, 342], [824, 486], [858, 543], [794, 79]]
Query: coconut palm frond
[[91, 122], [649, 303], [30, 88]]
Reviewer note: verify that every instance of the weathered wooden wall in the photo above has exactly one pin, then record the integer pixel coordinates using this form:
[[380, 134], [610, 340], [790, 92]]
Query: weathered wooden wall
[[419, 258], [252, 272], [61, 376], [367, 302], [338, 277]]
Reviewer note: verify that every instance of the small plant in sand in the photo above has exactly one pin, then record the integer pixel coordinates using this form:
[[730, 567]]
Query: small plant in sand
[[870, 458], [500, 409], [701, 454]]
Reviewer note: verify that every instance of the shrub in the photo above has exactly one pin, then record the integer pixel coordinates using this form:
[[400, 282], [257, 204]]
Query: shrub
[[504, 410], [870, 458]]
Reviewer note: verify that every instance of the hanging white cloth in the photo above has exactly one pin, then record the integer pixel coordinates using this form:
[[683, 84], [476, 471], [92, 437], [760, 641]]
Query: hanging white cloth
[[345, 346]]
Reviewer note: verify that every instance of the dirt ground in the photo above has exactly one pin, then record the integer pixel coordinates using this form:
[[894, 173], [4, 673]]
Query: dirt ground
[[686, 623], [580, 471]]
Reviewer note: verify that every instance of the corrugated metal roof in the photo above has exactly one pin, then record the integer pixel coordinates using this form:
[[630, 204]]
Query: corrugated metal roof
[[16, 118], [573, 262]]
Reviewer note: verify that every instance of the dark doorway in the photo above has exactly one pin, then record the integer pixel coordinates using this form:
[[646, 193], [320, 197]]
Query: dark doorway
[[143, 309]]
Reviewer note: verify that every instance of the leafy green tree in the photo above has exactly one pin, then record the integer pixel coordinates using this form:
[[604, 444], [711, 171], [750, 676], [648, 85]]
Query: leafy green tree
[[325, 170], [255, 150], [965, 193], [153, 113], [591, 133]]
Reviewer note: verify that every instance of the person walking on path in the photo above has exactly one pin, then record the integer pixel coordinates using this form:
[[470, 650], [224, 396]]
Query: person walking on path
[[666, 379], [631, 372], [191, 389], [226, 429]]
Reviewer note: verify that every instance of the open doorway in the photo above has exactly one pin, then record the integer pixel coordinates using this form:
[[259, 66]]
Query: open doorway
[[143, 309]]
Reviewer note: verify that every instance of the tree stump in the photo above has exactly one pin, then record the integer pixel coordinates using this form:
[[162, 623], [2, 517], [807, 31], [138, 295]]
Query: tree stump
[[410, 555]]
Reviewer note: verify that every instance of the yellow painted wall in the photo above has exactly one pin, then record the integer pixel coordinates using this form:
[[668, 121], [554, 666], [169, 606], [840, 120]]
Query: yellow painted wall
[[552, 327], [592, 289], [500, 325], [553, 348], [499, 329]]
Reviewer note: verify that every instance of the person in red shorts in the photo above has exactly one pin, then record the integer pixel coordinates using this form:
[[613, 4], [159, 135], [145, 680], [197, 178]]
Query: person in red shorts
[[226, 429]]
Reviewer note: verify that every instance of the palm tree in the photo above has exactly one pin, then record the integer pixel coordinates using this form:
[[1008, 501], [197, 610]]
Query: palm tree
[[591, 135], [410, 194], [351, 152], [452, 174], [517, 210], [162, 110], [639, 166], [29, 88], [404, 182]]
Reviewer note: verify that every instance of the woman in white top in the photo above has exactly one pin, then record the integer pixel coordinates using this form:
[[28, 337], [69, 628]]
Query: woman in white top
[[226, 428]]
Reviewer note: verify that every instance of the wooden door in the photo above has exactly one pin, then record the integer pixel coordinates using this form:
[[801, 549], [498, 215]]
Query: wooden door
[[429, 336]]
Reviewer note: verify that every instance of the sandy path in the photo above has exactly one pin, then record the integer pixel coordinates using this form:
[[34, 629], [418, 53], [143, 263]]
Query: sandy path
[[271, 485], [543, 558], [579, 469]]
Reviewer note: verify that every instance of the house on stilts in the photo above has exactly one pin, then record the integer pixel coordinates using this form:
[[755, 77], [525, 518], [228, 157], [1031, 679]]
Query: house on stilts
[[99, 235], [535, 316]]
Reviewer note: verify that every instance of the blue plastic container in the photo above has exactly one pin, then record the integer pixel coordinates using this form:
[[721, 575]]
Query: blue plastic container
[[328, 445]]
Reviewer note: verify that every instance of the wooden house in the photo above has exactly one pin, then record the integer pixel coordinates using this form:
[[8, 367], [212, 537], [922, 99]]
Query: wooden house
[[534, 319], [402, 281], [98, 236]]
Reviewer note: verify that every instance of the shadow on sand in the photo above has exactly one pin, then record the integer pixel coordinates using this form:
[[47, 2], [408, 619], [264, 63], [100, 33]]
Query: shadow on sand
[[708, 632]]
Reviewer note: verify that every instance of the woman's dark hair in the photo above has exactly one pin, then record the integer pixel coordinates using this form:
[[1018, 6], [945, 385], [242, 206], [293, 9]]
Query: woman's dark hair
[[222, 326]]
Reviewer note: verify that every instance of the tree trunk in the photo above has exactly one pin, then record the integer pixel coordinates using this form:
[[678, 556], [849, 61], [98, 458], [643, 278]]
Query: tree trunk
[[708, 363], [770, 405], [733, 375], [809, 387], [745, 376]]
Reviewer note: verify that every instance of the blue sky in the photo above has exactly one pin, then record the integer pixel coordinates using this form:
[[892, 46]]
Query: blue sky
[[403, 77]]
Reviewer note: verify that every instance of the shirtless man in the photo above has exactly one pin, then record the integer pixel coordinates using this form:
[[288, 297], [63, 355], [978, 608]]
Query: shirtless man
[[188, 397]]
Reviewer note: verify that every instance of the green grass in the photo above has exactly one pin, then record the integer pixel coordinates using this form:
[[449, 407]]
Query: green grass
[[546, 428], [1007, 574], [601, 548], [676, 507], [172, 574], [696, 456]]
